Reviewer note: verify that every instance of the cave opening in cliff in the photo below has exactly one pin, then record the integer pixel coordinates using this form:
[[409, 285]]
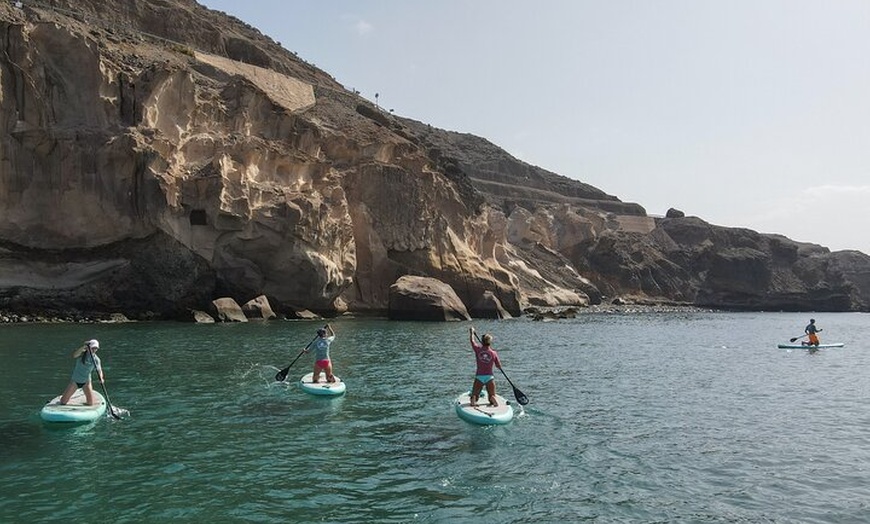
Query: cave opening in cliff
[[198, 217]]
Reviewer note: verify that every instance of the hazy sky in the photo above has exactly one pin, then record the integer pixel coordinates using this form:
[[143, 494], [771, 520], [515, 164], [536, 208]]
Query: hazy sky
[[749, 113]]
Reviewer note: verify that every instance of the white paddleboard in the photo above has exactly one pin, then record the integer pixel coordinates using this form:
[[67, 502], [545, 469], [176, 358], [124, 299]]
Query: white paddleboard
[[820, 346], [483, 413], [76, 410], [322, 387]]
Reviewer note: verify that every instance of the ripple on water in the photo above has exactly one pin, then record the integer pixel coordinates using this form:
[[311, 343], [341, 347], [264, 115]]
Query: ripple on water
[[633, 418]]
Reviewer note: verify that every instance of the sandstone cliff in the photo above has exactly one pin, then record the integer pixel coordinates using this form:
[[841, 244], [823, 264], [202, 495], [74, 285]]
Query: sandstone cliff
[[621, 252], [157, 155]]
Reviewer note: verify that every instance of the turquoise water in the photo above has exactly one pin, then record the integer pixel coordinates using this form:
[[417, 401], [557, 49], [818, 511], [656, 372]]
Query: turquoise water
[[691, 417]]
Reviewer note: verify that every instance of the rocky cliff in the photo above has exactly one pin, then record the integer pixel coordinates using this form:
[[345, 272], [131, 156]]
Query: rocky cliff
[[156, 155], [626, 254]]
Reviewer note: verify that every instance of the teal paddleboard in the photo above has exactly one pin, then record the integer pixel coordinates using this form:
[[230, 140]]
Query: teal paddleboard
[[483, 413], [75, 411], [820, 346], [322, 387]]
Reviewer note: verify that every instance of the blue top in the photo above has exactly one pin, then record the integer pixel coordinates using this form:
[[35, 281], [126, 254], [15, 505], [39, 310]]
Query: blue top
[[811, 328], [321, 347], [85, 365]]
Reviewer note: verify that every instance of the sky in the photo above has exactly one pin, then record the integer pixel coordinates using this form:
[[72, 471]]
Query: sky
[[745, 113]]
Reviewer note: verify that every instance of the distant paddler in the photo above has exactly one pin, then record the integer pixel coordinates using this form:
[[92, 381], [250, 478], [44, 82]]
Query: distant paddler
[[811, 330]]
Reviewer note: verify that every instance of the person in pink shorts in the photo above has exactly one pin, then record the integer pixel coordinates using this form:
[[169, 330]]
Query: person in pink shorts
[[320, 346]]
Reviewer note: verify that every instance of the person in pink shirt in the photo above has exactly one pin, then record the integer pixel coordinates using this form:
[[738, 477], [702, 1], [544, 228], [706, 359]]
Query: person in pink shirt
[[486, 357]]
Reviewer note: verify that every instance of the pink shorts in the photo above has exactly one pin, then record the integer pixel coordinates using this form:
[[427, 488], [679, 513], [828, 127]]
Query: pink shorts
[[322, 364]]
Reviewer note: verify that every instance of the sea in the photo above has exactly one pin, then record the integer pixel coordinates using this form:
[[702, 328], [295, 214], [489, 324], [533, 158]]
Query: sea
[[645, 417]]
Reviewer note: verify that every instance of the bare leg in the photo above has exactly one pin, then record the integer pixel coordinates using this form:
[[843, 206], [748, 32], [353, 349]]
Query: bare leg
[[329, 376], [475, 392], [68, 392], [89, 394], [490, 392], [316, 376]]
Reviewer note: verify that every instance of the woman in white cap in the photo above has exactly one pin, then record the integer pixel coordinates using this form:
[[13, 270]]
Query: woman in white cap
[[86, 362]]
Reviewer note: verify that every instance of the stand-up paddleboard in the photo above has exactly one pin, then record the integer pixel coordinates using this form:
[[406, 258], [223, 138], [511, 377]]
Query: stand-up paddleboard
[[322, 387], [76, 410], [820, 346], [483, 413]]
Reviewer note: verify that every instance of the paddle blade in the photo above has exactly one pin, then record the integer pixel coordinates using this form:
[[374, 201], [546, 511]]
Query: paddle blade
[[521, 397], [793, 339], [281, 375]]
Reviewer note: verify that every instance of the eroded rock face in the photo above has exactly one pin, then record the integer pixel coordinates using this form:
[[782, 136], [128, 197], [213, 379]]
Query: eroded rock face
[[280, 182]]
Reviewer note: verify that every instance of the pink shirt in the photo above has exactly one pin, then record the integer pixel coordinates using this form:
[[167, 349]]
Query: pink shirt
[[485, 359]]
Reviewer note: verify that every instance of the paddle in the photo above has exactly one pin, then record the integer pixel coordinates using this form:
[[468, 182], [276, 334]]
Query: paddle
[[281, 375], [795, 338], [519, 395], [105, 392]]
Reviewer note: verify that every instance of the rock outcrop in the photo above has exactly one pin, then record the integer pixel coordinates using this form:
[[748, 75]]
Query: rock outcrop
[[226, 309], [258, 309], [201, 317], [489, 307], [424, 298], [158, 155]]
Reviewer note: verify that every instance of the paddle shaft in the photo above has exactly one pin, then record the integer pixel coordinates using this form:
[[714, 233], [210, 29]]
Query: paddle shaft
[[103, 384], [802, 336], [281, 375], [519, 395]]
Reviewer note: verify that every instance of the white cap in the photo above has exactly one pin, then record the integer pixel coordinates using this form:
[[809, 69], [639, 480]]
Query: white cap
[[93, 343]]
